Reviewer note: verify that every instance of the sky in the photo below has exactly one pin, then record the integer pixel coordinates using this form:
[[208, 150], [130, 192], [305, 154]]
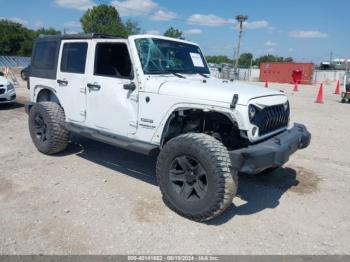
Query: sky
[[307, 30]]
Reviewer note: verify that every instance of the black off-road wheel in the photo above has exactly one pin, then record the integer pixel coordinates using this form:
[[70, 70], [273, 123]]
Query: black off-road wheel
[[23, 76], [195, 176], [46, 129]]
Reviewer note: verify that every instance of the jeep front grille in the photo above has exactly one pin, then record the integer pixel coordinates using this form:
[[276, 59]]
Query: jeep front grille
[[271, 119]]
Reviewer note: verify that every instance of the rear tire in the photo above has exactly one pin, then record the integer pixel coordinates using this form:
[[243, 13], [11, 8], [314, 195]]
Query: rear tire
[[23, 76], [195, 176], [46, 129]]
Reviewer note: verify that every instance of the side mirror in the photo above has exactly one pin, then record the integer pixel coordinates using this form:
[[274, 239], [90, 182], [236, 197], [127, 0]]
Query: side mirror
[[130, 86]]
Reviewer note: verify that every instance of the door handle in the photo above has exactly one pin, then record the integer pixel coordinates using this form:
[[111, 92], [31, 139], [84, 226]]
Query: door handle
[[93, 87], [131, 86], [62, 82]]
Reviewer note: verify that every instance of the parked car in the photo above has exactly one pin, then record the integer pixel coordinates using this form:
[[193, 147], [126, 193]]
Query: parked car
[[7, 91], [155, 95], [25, 73]]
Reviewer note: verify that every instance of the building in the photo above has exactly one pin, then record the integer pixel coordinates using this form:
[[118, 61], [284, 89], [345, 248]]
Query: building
[[301, 73]]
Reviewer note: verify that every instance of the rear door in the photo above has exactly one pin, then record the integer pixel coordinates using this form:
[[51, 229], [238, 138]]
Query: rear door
[[72, 78], [110, 106]]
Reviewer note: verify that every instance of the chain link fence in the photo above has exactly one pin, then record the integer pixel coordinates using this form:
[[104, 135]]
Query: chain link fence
[[14, 61]]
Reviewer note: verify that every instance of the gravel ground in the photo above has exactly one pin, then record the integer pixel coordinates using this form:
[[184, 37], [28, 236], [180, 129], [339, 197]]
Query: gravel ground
[[97, 199]]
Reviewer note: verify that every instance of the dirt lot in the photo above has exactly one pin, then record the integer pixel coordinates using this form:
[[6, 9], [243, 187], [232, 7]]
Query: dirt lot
[[96, 199]]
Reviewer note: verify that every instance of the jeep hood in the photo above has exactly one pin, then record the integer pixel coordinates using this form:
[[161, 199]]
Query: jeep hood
[[210, 89]]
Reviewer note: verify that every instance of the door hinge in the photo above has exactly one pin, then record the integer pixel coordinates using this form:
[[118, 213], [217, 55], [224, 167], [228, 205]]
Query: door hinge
[[83, 90], [83, 112], [134, 98], [133, 123]]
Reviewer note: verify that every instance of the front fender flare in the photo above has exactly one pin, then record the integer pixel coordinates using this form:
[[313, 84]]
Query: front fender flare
[[157, 137]]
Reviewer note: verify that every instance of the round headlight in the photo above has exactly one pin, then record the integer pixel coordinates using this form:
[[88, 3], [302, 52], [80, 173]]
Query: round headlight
[[252, 112]]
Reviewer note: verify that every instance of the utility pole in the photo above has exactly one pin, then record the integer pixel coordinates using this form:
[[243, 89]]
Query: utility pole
[[240, 19]]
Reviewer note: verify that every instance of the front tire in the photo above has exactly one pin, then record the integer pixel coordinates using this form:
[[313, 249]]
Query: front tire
[[195, 176], [46, 129]]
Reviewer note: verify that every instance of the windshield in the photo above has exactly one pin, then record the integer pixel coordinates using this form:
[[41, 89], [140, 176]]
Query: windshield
[[159, 56]]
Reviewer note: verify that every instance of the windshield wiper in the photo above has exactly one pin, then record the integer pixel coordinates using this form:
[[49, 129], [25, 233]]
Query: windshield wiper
[[175, 74], [204, 75], [167, 72]]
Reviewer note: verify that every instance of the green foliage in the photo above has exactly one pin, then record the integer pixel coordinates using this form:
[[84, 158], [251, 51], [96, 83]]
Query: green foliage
[[132, 27], [219, 59], [103, 19], [47, 31], [245, 60], [174, 33], [18, 40], [272, 58]]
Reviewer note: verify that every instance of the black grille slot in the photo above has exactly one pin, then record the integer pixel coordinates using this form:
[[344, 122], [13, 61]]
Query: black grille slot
[[2, 91], [271, 119]]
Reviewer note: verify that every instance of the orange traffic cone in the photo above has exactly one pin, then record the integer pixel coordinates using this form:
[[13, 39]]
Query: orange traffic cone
[[319, 98], [337, 89], [266, 84], [296, 87]]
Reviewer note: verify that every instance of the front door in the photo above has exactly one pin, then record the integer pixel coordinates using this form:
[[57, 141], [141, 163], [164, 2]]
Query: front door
[[72, 79], [110, 106]]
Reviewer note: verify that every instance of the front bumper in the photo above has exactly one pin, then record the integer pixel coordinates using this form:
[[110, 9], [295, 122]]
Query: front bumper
[[270, 153]]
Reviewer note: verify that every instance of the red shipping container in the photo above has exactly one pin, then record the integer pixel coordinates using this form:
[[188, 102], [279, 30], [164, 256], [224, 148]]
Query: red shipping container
[[287, 72]]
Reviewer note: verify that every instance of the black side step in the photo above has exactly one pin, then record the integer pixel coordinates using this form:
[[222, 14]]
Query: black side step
[[114, 140]]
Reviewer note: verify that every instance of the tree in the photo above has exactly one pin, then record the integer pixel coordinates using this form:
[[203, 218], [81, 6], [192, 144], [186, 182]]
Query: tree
[[103, 19], [288, 59], [47, 31], [132, 27], [15, 38], [219, 59], [174, 33], [272, 58], [245, 60]]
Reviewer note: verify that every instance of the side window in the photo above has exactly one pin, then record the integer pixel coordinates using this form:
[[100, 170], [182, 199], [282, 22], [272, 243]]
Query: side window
[[74, 58], [45, 55], [113, 60]]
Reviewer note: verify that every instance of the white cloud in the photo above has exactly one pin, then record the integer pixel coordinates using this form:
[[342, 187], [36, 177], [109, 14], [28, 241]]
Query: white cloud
[[269, 43], [208, 20], [193, 32], [254, 24], [307, 34], [163, 15], [153, 32], [134, 7], [76, 4]]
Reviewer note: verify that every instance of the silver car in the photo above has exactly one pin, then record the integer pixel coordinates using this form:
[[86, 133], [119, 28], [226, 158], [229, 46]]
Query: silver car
[[7, 91]]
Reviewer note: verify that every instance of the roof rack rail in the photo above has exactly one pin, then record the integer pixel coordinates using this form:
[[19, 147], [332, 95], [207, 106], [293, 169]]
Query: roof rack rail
[[81, 36]]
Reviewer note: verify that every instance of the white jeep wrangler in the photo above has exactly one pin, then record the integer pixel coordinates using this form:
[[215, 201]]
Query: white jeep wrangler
[[155, 95]]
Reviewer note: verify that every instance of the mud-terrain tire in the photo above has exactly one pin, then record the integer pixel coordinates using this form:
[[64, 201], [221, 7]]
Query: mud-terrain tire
[[46, 128], [195, 176], [23, 76]]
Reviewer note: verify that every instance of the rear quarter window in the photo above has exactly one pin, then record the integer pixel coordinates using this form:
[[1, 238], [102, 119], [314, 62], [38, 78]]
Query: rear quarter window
[[45, 55]]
